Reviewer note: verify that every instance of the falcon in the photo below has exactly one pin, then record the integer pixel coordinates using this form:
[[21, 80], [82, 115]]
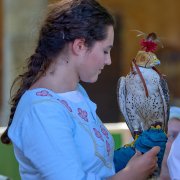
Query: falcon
[[143, 95]]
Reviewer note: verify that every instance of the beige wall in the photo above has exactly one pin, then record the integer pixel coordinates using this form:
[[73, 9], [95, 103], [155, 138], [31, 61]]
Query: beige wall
[[160, 16]]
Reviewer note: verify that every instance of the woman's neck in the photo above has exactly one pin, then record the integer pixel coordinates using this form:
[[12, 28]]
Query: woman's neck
[[61, 80]]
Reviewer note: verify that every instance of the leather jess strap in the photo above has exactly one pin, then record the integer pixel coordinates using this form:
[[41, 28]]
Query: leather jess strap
[[141, 77]]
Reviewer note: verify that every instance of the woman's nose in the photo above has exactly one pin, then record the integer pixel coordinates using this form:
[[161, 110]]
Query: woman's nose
[[108, 61]]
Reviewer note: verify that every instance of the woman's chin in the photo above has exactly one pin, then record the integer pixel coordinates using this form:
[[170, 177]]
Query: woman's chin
[[93, 80]]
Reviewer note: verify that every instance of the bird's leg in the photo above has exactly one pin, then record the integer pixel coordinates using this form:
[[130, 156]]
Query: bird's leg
[[156, 125], [136, 135]]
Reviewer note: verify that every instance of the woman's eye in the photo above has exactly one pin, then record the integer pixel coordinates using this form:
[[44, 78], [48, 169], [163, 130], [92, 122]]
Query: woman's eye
[[106, 52]]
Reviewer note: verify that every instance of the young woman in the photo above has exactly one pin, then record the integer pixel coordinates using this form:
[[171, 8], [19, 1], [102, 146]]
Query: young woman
[[53, 125]]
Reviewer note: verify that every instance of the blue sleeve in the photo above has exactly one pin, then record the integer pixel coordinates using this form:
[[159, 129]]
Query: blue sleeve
[[48, 143]]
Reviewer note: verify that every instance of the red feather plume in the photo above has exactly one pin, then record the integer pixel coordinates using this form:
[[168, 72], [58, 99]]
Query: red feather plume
[[148, 45]]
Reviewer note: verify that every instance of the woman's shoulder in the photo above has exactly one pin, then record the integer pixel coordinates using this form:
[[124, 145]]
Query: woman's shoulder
[[40, 99], [38, 107], [38, 95]]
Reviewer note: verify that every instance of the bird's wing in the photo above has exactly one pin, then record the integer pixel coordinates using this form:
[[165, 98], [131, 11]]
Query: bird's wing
[[121, 98], [164, 91]]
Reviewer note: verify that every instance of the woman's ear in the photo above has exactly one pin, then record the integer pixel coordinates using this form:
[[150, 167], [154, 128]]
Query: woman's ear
[[79, 46]]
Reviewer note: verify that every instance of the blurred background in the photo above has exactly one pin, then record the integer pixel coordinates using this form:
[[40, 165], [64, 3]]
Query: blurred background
[[20, 21]]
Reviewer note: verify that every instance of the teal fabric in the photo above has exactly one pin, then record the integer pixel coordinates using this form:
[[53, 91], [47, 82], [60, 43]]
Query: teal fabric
[[147, 140], [122, 156], [151, 138]]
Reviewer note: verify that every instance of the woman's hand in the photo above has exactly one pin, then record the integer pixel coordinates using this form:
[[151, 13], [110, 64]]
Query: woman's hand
[[140, 166], [143, 165]]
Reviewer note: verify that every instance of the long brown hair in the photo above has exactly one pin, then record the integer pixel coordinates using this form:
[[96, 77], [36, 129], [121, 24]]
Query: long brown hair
[[66, 21]]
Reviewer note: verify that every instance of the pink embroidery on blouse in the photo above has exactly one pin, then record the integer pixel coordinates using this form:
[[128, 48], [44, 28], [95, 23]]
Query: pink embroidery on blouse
[[66, 105], [104, 131], [83, 114], [43, 93], [108, 148], [98, 134]]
